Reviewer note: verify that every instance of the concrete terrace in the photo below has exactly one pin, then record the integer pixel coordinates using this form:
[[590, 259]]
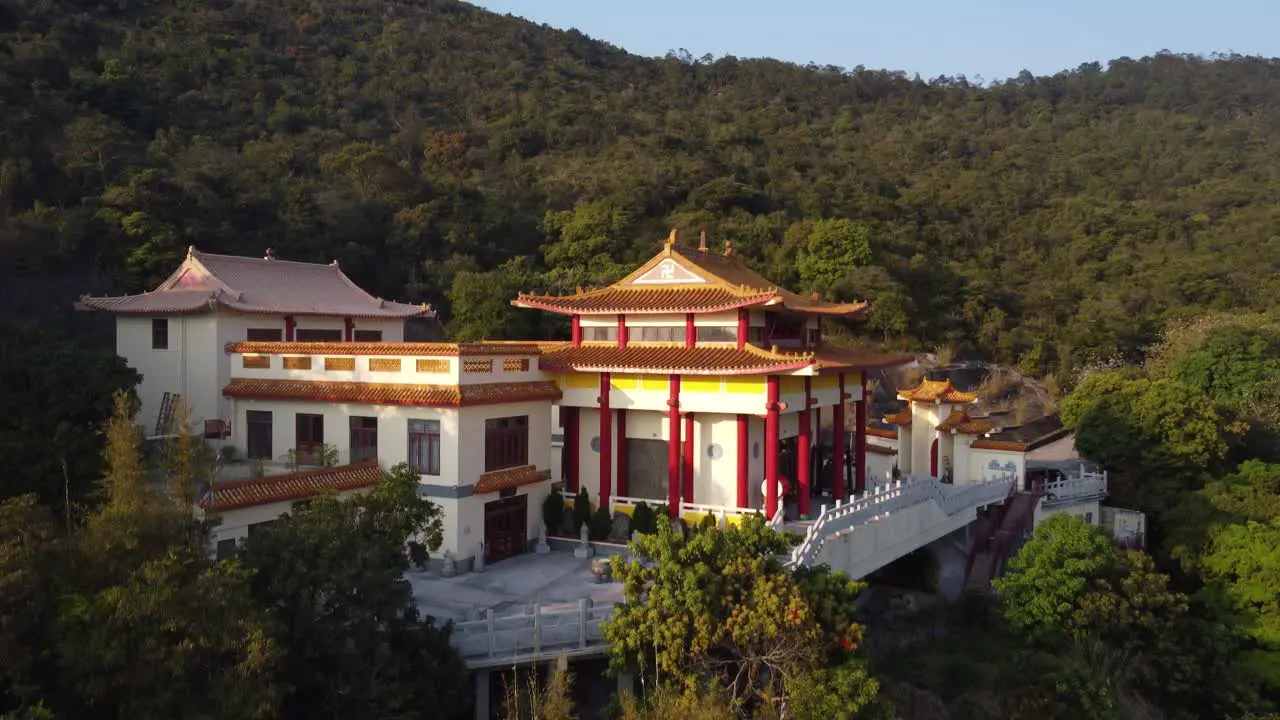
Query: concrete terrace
[[555, 581]]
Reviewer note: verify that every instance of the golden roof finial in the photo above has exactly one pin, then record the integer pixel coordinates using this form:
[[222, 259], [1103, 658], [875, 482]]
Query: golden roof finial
[[702, 242], [671, 240], [728, 248], [577, 290]]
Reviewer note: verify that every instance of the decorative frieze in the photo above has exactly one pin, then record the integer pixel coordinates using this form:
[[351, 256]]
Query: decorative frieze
[[432, 365], [256, 362], [477, 366], [384, 364], [346, 364], [296, 362]]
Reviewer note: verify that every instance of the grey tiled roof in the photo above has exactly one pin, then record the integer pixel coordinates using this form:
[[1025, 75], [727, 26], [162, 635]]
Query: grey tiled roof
[[256, 285]]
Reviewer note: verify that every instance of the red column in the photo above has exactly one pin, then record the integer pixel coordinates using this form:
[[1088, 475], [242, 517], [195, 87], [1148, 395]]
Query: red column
[[348, 329], [622, 453], [606, 441], [744, 491], [569, 420], [771, 448], [289, 325], [837, 445], [622, 330], [576, 332], [743, 328], [673, 447], [860, 437], [690, 331], [689, 446], [802, 455]]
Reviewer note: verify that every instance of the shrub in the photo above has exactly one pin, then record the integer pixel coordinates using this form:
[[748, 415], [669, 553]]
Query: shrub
[[601, 524], [581, 510], [553, 511], [642, 518], [708, 522]]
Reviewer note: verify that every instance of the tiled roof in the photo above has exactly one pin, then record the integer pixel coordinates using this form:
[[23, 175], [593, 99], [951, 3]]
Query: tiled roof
[[256, 285], [510, 478], [294, 486], [960, 422], [392, 393], [709, 282], [880, 449], [987, 444], [671, 359], [385, 349], [937, 390], [834, 358], [887, 433], [902, 417]]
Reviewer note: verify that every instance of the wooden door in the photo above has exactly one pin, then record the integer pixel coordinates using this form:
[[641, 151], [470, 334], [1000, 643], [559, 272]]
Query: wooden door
[[506, 524]]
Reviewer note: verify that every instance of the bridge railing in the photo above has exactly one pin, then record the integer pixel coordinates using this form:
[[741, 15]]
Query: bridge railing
[[533, 635], [885, 499]]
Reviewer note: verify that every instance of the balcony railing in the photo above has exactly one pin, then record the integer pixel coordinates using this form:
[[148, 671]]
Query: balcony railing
[[536, 635], [1074, 488]]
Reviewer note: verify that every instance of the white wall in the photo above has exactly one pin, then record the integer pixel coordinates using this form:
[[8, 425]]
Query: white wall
[[188, 367], [981, 470], [1090, 511]]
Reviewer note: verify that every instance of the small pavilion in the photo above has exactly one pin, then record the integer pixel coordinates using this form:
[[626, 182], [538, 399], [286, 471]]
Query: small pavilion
[[709, 381]]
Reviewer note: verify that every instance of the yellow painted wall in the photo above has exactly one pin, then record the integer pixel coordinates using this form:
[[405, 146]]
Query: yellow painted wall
[[653, 383], [744, 384], [700, 384], [582, 381], [625, 382]]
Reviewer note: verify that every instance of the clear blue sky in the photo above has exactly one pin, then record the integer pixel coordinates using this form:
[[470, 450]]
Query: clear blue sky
[[994, 39]]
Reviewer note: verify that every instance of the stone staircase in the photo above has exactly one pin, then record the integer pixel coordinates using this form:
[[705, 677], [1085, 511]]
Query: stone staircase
[[998, 539]]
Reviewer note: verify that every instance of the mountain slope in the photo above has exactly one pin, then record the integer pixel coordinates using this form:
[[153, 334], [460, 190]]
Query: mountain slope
[[426, 143]]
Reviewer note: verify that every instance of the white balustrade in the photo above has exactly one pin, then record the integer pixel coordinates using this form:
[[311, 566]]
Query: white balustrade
[[532, 636], [1085, 484]]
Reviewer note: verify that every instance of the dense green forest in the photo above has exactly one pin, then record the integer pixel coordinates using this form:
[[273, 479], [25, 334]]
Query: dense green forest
[[447, 154]]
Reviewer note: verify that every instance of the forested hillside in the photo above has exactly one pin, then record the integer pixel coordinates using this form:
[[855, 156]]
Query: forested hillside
[[446, 154]]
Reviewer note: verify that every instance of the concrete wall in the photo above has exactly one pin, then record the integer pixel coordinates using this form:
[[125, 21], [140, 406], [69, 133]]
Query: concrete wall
[[189, 366], [1090, 511], [986, 465]]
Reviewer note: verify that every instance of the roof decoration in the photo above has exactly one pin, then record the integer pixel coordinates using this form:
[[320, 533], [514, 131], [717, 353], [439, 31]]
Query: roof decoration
[[205, 282], [694, 281], [510, 478], [880, 449], [960, 422], [937, 391], [294, 486], [1006, 445], [417, 395], [900, 418], [886, 433], [672, 359], [385, 349]]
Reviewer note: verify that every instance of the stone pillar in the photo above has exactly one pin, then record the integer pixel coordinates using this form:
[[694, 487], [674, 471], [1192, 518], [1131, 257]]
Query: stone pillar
[[837, 446], [622, 452], [673, 447], [606, 442], [744, 491], [860, 437], [803, 457], [771, 432], [482, 695], [689, 446]]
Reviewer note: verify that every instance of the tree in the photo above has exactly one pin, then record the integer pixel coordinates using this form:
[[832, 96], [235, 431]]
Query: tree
[[720, 608], [829, 251], [332, 575], [1243, 569]]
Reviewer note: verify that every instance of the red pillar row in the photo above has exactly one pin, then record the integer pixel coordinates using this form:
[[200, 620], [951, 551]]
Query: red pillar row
[[673, 446], [569, 418], [622, 453], [690, 331], [606, 442], [743, 329], [622, 330], [744, 492], [802, 454], [860, 437], [837, 445], [576, 331], [771, 448], [689, 444]]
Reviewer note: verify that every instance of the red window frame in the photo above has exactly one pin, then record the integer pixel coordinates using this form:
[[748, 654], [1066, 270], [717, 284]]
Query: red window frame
[[364, 438], [424, 446], [506, 442]]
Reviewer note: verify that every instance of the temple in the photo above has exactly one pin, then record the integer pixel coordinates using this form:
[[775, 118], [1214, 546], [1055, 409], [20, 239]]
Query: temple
[[694, 382]]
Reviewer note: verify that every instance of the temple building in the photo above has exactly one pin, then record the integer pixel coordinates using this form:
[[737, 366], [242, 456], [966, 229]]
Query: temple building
[[174, 335], [694, 382]]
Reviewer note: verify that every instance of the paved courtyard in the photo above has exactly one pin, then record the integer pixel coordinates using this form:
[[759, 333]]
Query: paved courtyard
[[556, 581]]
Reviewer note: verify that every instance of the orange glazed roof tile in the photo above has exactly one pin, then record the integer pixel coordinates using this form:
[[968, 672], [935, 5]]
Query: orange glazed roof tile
[[385, 349], [1008, 445], [671, 359], [902, 417], [205, 281], [693, 281], [959, 421], [886, 433], [833, 358], [880, 449], [294, 486], [510, 478], [937, 391], [392, 393]]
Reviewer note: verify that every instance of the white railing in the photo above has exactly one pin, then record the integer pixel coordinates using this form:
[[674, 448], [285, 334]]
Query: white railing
[[886, 499], [1086, 484], [532, 636]]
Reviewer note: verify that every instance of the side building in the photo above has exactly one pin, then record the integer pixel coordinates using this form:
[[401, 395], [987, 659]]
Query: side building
[[174, 335], [471, 420]]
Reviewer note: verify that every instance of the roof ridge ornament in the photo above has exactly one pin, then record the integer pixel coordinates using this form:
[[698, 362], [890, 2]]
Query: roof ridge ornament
[[702, 241], [728, 248], [671, 240], [269, 255], [191, 250]]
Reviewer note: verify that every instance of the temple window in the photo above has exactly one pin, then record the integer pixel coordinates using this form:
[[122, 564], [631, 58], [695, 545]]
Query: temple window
[[717, 334], [314, 335], [370, 336], [656, 334], [257, 425], [364, 438], [755, 335], [600, 334], [309, 447], [506, 442], [264, 335], [424, 446], [160, 334]]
